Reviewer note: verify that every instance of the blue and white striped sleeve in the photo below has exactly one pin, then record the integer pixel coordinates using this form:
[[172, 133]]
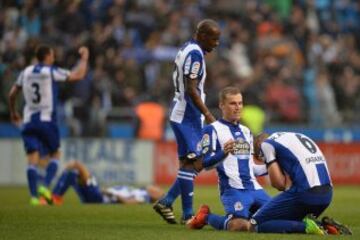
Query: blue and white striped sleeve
[[60, 74], [267, 152], [211, 149], [193, 65]]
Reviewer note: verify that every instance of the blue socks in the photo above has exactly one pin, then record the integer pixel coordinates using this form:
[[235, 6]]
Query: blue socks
[[218, 222], [32, 177], [186, 183], [67, 179], [183, 185], [172, 194], [281, 226], [51, 170]]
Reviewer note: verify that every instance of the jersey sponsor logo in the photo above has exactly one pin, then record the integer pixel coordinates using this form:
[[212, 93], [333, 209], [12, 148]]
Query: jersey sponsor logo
[[238, 206], [242, 147]]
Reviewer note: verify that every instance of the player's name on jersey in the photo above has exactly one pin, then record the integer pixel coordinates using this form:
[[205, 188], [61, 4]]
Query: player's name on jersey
[[315, 159]]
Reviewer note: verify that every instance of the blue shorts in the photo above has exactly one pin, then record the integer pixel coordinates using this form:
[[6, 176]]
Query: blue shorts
[[40, 136], [243, 203], [294, 206], [89, 193], [188, 136]]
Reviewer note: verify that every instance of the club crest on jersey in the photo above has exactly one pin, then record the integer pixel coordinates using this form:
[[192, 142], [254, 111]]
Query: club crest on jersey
[[242, 147], [238, 206], [205, 141]]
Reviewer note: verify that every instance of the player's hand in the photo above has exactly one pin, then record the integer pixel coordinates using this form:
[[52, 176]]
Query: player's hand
[[84, 52], [229, 146], [15, 119]]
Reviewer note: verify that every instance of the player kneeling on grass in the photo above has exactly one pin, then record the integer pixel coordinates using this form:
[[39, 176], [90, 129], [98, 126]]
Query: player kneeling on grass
[[86, 187], [227, 146], [289, 157]]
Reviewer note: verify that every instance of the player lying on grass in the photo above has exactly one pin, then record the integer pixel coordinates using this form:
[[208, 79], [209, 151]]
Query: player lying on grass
[[294, 157], [76, 175]]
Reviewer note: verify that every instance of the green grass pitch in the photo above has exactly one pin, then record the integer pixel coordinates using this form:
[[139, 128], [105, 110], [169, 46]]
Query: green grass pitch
[[18, 220]]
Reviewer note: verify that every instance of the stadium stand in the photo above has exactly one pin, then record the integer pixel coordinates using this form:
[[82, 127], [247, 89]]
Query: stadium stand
[[299, 60]]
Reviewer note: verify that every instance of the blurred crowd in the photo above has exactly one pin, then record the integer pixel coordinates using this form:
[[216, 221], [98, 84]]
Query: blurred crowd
[[297, 61]]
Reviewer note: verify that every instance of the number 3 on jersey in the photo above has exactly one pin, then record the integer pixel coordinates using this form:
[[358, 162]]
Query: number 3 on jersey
[[36, 90]]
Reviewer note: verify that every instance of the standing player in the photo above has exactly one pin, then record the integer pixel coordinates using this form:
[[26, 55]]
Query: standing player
[[292, 158], [76, 175], [228, 146], [186, 116], [40, 131]]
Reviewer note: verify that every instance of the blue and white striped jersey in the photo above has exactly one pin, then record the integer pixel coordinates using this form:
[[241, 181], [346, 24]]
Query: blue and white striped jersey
[[39, 84], [189, 64], [234, 171], [299, 157], [139, 194]]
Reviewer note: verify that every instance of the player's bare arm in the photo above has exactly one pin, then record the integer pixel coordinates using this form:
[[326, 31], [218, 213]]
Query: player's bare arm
[[80, 71], [14, 115], [277, 178], [192, 92]]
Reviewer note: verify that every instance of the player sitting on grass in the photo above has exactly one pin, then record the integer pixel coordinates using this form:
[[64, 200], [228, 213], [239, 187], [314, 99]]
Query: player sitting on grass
[[227, 146], [85, 185]]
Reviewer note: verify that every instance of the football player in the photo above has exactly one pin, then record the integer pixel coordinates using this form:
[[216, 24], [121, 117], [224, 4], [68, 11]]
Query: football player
[[186, 116], [76, 175], [297, 167], [40, 133], [228, 146]]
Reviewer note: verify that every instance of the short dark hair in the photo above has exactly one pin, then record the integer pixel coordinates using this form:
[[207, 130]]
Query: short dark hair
[[228, 91], [41, 52], [206, 25]]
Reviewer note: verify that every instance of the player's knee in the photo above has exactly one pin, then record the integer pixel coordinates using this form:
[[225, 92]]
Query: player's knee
[[238, 224], [71, 165]]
